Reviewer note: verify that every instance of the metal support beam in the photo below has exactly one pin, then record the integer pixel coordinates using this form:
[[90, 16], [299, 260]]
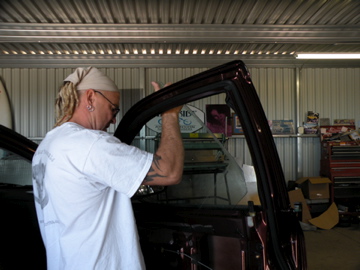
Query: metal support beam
[[137, 33]]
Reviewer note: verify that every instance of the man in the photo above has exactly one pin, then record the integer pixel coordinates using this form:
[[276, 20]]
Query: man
[[84, 178]]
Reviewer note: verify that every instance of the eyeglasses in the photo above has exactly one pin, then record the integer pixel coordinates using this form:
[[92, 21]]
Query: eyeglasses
[[115, 110]]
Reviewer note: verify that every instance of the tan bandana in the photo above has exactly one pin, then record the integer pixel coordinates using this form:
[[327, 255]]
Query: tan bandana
[[91, 78]]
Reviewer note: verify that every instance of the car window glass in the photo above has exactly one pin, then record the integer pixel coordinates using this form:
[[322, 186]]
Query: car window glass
[[212, 176], [14, 169]]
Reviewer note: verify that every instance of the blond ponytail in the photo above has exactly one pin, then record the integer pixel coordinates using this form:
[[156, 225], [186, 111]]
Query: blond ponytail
[[66, 102]]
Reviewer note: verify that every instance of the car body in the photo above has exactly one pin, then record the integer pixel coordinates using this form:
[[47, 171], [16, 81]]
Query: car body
[[206, 222]]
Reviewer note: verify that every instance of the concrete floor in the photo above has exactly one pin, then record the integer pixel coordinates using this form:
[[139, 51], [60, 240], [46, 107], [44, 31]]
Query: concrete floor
[[335, 249]]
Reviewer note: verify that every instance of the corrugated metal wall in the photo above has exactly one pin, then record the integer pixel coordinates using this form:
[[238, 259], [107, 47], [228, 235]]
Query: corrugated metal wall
[[165, 75], [276, 89], [32, 94], [334, 93]]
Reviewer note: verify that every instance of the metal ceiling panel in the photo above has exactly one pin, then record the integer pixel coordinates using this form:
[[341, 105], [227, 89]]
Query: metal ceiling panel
[[265, 30], [263, 12]]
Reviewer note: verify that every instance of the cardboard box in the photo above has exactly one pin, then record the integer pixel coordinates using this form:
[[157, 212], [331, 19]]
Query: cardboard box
[[315, 187], [297, 196], [282, 127], [327, 220]]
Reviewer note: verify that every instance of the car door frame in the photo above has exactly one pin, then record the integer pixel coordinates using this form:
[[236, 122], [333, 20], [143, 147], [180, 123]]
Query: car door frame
[[234, 80]]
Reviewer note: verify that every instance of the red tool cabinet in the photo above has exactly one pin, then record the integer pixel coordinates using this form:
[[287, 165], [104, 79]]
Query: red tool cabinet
[[340, 161]]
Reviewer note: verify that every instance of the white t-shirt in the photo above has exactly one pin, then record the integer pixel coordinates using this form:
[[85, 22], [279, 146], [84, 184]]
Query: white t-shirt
[[83, 181]]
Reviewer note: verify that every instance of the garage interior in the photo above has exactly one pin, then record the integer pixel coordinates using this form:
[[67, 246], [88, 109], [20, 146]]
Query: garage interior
[[135, 42]]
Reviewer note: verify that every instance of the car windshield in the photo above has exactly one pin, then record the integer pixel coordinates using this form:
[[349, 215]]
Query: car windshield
[[14, 169], [211, 134]]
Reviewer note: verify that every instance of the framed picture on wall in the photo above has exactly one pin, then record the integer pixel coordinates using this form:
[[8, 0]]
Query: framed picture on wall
[[218, 119], [237, 128]]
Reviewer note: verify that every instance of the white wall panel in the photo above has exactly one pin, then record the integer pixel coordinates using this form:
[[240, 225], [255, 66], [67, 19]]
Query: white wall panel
[[165, 75], [32, 94], [309, 151], [276, 90], [332, 92], [286, 148], [131, 84]]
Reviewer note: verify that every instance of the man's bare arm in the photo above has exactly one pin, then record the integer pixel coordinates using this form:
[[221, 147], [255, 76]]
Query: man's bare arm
[[153, 172], [168, 162]]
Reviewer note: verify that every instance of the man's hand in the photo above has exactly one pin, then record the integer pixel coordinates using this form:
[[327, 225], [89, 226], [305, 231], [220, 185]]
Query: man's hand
[[157, 87], [176, 110]]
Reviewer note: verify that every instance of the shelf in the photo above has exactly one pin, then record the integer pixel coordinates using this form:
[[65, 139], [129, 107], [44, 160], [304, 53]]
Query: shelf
[[284, 136]]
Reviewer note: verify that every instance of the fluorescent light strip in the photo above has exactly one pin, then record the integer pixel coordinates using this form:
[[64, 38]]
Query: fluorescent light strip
[[328, 56]]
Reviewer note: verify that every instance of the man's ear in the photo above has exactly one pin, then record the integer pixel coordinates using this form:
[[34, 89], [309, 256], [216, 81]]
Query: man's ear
[[90, 96]]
